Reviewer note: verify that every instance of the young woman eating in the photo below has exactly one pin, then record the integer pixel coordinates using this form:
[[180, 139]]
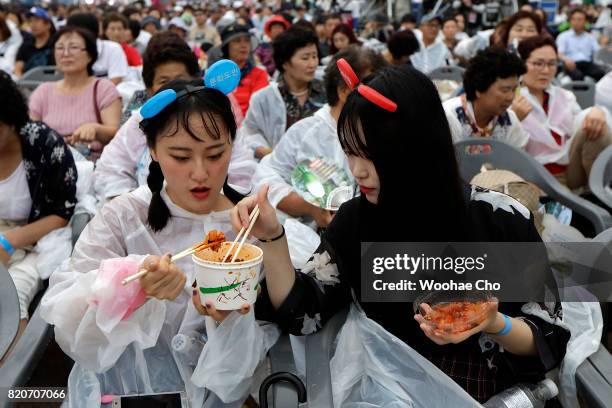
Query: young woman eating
[[383, 134], [128, 351]]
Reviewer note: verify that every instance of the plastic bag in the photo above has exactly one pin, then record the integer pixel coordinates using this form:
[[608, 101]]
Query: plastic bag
[[52, 250], [372, 368], [584, 321], [231, 356], [116, 301], [555, 231], [86, 199], [302, 240], [56, 246]]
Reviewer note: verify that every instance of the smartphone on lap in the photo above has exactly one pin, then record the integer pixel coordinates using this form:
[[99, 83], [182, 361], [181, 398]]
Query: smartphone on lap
[[162, 400]]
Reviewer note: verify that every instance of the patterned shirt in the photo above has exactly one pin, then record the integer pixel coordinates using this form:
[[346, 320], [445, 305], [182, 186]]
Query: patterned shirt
[[50, 171], [324, 285], [295, 111], [138, 99], [461, 120]]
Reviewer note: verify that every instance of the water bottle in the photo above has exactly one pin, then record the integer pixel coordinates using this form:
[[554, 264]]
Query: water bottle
[[83, 149], [524, 396], [188, 347]]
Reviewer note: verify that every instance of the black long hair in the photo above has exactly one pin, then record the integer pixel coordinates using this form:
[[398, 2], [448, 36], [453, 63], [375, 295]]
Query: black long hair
[[211, 105], [422, 197], [15, 111]]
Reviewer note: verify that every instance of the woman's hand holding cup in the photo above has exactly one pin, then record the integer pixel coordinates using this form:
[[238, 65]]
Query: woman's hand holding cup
[[209, 308]]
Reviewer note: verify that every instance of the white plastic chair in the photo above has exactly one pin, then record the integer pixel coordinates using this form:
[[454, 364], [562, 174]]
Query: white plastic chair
[[9, 310], [447, 72], [603, 57], [600, 179], [584, 92], [507, 157], [38, 75]]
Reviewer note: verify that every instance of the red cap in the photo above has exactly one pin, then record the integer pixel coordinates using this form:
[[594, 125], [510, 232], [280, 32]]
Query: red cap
[[275, 19]]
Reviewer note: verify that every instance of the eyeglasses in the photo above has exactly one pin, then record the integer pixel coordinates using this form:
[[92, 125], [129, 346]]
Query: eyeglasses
[[371, 94], [223, 75], [72, 49], [540, 65]]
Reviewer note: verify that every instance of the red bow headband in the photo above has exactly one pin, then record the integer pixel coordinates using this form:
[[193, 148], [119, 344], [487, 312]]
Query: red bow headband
[[372, 95]]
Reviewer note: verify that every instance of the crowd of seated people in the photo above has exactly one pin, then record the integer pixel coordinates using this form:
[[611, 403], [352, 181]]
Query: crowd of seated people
[[172, 159]]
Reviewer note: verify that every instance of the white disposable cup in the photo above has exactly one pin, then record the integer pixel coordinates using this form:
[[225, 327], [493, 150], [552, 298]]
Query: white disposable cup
[[228, 285]]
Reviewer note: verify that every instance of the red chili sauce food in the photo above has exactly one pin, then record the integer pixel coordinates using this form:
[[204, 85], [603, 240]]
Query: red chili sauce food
[[457, 317]]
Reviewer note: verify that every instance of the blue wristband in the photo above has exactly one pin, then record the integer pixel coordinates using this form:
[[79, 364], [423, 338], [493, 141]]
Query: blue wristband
[[7, 245], [506, 329]]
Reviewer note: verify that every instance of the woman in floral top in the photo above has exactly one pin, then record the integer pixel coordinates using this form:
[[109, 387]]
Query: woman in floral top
[[37, 189], [388, 151]]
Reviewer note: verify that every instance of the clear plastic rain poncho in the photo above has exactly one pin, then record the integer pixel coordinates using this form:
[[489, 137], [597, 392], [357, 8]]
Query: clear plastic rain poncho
[[132, 354], [371, 368], [311, 137], [582, 319], [266, 120]]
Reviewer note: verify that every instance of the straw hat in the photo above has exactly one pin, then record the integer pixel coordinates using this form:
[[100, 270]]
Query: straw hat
[[515, 186]]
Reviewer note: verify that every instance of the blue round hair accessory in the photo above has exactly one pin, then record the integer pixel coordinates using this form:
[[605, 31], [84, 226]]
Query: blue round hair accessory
[[157, 103], [223, 75]]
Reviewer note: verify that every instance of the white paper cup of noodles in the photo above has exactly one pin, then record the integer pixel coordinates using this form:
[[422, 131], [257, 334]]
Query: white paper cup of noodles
[[228, 285]]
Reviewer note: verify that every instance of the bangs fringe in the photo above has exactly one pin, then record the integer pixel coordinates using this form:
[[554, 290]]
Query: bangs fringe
[[350, 131], [209, 121], [208, 117]]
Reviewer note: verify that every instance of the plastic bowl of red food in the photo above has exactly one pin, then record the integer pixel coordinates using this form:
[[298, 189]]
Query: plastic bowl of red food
[[453, 312]]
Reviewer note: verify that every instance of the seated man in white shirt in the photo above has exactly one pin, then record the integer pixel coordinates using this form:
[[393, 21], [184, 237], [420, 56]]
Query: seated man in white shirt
[[490, 82], [312, 137], [433, 53], [111, 62], [577, 47]]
